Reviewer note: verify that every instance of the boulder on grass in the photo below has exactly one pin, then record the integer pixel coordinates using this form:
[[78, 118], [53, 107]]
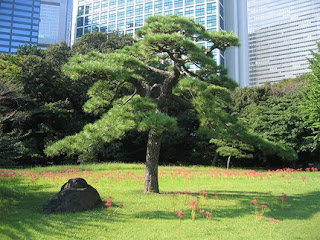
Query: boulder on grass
[[75, 196]]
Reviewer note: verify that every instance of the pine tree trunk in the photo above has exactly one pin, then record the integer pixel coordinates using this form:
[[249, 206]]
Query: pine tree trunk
[[151, 184]]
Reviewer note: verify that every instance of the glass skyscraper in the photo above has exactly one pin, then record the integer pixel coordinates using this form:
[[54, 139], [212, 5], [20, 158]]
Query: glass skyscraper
[[281, 35], [129, 15], [19, 23], [55, 24], [34, 22]]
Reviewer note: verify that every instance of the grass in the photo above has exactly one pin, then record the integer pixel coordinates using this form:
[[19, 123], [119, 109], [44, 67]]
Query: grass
[[154, 216]]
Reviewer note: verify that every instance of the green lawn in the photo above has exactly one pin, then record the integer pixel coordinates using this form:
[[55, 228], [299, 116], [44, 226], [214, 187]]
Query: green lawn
[[154, 216]]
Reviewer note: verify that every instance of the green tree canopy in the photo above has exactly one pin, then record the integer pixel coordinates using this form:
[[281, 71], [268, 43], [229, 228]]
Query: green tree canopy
[[121, 85], [101, 42], [311, 104]]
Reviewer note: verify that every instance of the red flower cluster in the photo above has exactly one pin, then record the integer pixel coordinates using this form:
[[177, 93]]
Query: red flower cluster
[[274, 220], [108, 203], [180, 214], [194, 204]]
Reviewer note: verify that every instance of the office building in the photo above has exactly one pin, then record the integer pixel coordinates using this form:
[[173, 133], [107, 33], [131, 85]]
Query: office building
[[19, 23], [281, 35], [34, 22], [55, 22], [129, 15]]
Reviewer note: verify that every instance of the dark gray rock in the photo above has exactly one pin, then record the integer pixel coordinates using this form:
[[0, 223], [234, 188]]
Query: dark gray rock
[[75, 196]]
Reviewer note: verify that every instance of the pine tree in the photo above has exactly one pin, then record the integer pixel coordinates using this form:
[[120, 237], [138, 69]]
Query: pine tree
[[128, 95]]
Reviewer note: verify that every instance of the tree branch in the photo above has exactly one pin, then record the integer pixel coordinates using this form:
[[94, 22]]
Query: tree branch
[[116, 91], [134, 93], [157, 70], [141, 87], [192, 74]]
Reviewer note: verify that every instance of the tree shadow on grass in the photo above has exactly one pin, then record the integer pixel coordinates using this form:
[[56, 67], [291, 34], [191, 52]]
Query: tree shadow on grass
[[21, 214], [298, 206]]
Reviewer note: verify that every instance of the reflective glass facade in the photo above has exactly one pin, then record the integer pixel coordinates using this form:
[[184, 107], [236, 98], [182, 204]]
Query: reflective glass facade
[[55, 24], [281, 35], [19, 23], [129, 15]]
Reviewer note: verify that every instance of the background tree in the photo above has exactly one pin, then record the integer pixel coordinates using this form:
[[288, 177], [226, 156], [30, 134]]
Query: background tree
[[310, 106], [273, 112], [165, 46], [101, 42]]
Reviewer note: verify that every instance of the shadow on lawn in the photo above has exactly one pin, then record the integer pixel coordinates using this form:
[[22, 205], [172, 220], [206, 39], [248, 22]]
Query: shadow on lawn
[[21, 214], [299, 206]]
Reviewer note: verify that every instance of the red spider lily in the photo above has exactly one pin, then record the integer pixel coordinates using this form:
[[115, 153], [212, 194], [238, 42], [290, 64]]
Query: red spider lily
[[201, 211], [193, 204], [255, 201], [208, 215], [264, 206], [108, 203], [186, 192], [203, 193], [180, 214], [274, 220]]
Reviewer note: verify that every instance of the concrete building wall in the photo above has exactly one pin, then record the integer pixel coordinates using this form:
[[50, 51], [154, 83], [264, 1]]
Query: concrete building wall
[[281, 36]]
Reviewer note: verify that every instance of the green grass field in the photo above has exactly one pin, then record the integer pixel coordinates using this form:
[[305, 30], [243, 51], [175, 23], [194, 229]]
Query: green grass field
[[154, 216]]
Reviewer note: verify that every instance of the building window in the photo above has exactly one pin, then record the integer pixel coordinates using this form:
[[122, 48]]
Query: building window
[[88, 9], [129, 23], [112, 26], [201, 20], [120, 25], [87, 29], [104, 17], [178, 3], [179, 11], [95, 28], [130, 11], [79, 32], [188, 2], [104, 4], [158, 6], [79, 21], [167, 4], [139, 9], [113, 3], [211, 8], [189, 11], [103, 28], [148, 7], [130, 2], [211, 21], [139, 21], [112, 15], [95, 19], [121, 13], [200, 10]]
